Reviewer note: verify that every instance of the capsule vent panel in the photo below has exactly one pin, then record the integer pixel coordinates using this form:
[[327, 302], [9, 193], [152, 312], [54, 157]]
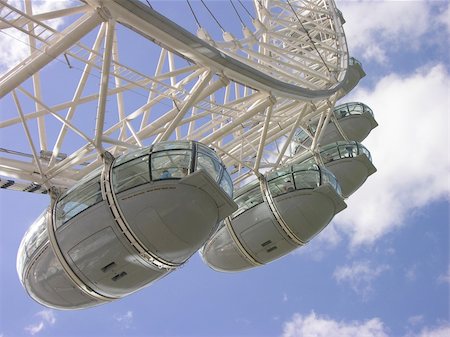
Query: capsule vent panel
[[119, 276], [108, 267]]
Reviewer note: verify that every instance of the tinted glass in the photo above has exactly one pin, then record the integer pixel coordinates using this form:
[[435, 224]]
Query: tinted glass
[[248, 200], [170, 164], [79, 198], [209, 164], [131, 174]]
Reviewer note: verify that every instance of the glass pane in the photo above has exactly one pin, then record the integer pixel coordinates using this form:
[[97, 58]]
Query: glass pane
[[77, 200], [209, 164], [248, 200], [171, 146], [131, 174], [130, 156], [227, 184], [348, 150], [36, 234], [170, 164], [330, 155], [306, 179], [329, 178], [207, 150], [305, 166], [246, 188], [281, 185], [357, 109], [278, 173], [96, 172]]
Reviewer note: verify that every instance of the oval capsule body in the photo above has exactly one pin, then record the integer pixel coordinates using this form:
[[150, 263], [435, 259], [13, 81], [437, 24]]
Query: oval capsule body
[[125, 225]]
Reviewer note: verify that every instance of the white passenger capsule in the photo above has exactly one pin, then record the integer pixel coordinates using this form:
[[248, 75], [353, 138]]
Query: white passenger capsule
[[355, 73], [350, 162], [123, 227], [355, 120], [276, 215]]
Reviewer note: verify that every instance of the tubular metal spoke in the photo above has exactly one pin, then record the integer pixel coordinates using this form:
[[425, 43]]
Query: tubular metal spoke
[[135, 78]]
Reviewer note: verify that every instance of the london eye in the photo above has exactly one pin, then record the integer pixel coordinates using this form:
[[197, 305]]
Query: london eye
[[154, 141]]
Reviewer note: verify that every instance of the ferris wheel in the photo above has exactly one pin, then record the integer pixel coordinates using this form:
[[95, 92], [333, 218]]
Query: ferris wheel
[[113, 100], [79, 93]]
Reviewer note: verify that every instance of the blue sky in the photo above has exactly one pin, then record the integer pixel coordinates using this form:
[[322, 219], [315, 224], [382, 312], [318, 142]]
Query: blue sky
[[380, 269]]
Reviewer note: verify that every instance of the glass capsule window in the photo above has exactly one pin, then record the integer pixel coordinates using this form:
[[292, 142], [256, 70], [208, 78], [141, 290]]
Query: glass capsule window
[[327, 177], [301, 176], [226, 183], [352, 108], [281, 185], [35, 237], [169, 160], [306, 175], [166, 160], [131, 155], [79, 198], [130, 174], [170, 164], [248, 199], [353, 61], [341, 150]]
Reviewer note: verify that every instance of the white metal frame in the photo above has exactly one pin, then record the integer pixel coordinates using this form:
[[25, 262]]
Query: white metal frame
[[245, 96]]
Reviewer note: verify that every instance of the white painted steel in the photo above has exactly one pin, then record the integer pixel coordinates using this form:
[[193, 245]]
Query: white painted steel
[[244, 95]]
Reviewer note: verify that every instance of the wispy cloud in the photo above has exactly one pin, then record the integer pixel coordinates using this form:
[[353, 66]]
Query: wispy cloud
[[409, 149], [445, 278], [360, 276], [314, 325], [47, 317], [415, 320], [441, 330], [125, 320], [390, 26]]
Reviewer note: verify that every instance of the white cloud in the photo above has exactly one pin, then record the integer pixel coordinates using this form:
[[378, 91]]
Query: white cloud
[[444, 15], [443, 330], [360, 276], [14, 45], [35, 328], [47, 317], [373, 29], [125, 320], [313, 325], [410, 150], [445, 278]]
